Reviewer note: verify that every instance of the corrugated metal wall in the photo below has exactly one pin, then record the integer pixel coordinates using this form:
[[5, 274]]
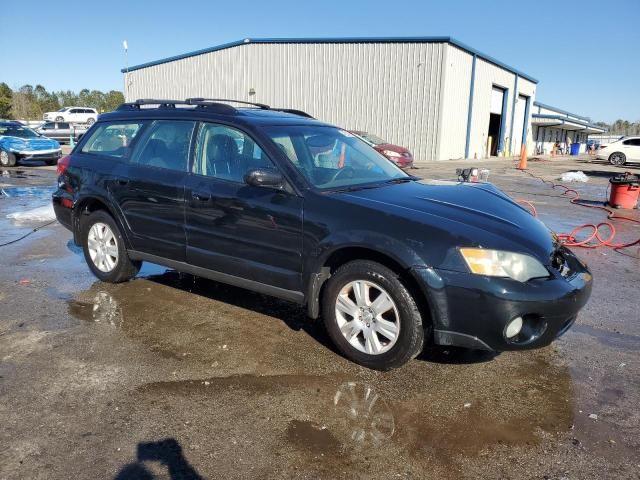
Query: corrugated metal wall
[[391, 89], [455, 103]]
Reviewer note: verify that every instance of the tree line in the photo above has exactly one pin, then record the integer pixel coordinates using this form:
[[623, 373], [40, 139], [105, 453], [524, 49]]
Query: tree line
[[621, 127], [29, 102]]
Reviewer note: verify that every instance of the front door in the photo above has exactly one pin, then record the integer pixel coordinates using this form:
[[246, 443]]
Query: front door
[[235, 228], [152, 194]]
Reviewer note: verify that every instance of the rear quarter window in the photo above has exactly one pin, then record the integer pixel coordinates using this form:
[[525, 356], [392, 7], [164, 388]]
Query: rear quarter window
[[112, 139]]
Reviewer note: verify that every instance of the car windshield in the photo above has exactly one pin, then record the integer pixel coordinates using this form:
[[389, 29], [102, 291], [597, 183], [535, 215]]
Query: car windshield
[[369, 137], [64, 109], [331, 158], [17, 131]]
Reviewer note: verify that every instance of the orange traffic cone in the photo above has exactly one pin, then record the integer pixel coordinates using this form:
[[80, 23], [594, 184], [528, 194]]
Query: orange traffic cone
[[523, 158]]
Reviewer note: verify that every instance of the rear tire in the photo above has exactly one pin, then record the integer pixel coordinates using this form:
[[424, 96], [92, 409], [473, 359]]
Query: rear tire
[[7, 159], [617, 158], [104, 249], [384, 329], [91, 121]]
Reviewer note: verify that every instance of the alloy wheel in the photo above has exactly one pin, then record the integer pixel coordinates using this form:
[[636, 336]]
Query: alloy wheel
[[103, 247], [367, 317], [4, 158], [617, 159]]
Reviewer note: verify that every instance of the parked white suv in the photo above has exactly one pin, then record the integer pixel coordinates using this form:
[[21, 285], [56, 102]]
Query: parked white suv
[[627, 149], [72, 115]]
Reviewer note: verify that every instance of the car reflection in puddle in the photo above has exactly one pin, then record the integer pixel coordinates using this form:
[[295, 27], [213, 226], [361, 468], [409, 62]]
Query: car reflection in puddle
[[367, 415], [102, 309]]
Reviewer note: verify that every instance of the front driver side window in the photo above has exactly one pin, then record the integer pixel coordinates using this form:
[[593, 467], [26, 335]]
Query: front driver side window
[[226, 153]]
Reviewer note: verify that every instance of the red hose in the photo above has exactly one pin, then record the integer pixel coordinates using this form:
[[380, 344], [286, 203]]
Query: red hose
[[595, 238]]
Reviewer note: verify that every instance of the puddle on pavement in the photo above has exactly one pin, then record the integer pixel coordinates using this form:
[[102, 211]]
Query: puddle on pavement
[[16, 174], [356, 418]]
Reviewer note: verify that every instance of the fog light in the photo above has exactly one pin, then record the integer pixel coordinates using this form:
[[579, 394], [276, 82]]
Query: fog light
[[513, 328]]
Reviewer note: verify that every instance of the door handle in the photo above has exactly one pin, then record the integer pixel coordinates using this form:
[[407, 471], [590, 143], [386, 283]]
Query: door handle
[[201, 197]]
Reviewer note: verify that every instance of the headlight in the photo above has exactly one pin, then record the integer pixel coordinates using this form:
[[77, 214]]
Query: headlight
[[391, 153], [497, 263]]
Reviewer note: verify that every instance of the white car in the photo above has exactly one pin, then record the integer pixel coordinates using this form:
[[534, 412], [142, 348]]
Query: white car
[[72, 115], [627, 149]]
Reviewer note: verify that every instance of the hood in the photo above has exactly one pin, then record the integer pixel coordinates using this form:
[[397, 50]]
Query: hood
[[476, 214], [36, 143], [390, 146]]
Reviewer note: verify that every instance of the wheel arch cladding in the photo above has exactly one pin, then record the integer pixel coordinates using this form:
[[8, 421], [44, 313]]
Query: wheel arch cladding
[[343, 255], [90, 204]]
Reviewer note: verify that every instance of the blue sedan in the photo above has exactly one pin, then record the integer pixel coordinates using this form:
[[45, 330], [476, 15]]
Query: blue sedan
[[18, 143]]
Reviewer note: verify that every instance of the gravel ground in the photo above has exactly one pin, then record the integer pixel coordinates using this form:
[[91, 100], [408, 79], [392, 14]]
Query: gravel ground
[[172, 376]]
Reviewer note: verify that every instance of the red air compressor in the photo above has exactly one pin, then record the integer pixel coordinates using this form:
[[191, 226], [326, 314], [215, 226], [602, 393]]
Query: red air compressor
[[625, 189]]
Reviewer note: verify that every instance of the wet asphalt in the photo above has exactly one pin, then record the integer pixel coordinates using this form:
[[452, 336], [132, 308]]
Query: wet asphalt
[[173, 376]]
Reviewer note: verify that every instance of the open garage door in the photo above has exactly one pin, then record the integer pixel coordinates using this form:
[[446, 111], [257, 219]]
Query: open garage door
[[495, 121]]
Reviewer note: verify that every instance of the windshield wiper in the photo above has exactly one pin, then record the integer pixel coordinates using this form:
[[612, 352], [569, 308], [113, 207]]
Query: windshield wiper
[[401, 180], [366, 186]]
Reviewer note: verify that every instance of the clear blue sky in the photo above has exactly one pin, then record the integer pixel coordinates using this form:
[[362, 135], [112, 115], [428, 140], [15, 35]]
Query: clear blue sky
[[586, 54]]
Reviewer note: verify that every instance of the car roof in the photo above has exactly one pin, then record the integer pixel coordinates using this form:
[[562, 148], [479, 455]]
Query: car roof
[[11, 123], [241, 116]]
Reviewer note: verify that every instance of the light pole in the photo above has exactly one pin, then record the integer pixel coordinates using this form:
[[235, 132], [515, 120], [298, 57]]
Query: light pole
[[125, 45]]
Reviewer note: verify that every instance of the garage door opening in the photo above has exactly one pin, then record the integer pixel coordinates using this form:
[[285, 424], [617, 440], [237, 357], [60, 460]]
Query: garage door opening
[[494, 134]]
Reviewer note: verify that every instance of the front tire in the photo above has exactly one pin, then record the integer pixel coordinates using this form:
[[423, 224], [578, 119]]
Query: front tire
[[617, 158], [371, 316], [59, 119], [104, 249], [7, 159]]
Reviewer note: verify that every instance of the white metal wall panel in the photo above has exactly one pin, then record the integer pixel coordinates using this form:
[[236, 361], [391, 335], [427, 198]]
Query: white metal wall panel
[[518, 124], [455, 103], [488, 75], [391, 89]]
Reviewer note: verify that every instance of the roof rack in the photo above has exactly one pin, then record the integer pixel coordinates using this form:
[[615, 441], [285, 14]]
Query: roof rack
[[149, 101], [200, 100], [208, 103]]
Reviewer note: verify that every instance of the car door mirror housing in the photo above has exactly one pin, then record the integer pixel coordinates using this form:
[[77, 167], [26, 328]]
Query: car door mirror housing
[[264, 177]]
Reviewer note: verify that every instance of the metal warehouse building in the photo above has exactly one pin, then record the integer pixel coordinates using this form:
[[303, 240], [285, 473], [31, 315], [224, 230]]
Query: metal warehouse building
[[436, 96]]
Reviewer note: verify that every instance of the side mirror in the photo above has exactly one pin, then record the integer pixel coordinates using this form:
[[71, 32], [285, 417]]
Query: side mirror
[[264, 177]]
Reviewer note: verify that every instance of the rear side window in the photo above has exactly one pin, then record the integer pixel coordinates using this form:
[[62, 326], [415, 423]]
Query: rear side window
[[165, 144], [112, 139], [63, 126]]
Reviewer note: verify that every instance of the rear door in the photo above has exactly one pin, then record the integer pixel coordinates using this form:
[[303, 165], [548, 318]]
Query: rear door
[[151, 196], [238, 229]]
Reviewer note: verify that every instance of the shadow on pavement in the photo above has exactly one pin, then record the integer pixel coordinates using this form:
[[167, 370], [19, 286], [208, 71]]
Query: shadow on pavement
[[167, 452]]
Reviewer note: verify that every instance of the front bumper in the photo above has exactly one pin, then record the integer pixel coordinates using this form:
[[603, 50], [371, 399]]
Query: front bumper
[[473, 311], [44, 155]]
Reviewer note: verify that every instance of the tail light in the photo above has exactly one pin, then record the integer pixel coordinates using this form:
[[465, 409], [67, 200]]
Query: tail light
[[63, 164]]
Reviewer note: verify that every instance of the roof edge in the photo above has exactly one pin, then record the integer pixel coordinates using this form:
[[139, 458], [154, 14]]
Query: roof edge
[[434, 39], [571, 120], [559, 110]]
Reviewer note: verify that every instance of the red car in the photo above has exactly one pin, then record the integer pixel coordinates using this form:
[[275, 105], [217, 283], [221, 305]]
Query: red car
[[398, 155]]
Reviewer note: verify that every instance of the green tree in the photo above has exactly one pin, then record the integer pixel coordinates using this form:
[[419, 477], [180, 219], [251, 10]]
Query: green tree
[[112, 100], [5, 100]]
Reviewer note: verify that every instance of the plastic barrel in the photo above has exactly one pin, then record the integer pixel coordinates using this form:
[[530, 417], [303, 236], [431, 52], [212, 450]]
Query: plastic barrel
[[575, 148]]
